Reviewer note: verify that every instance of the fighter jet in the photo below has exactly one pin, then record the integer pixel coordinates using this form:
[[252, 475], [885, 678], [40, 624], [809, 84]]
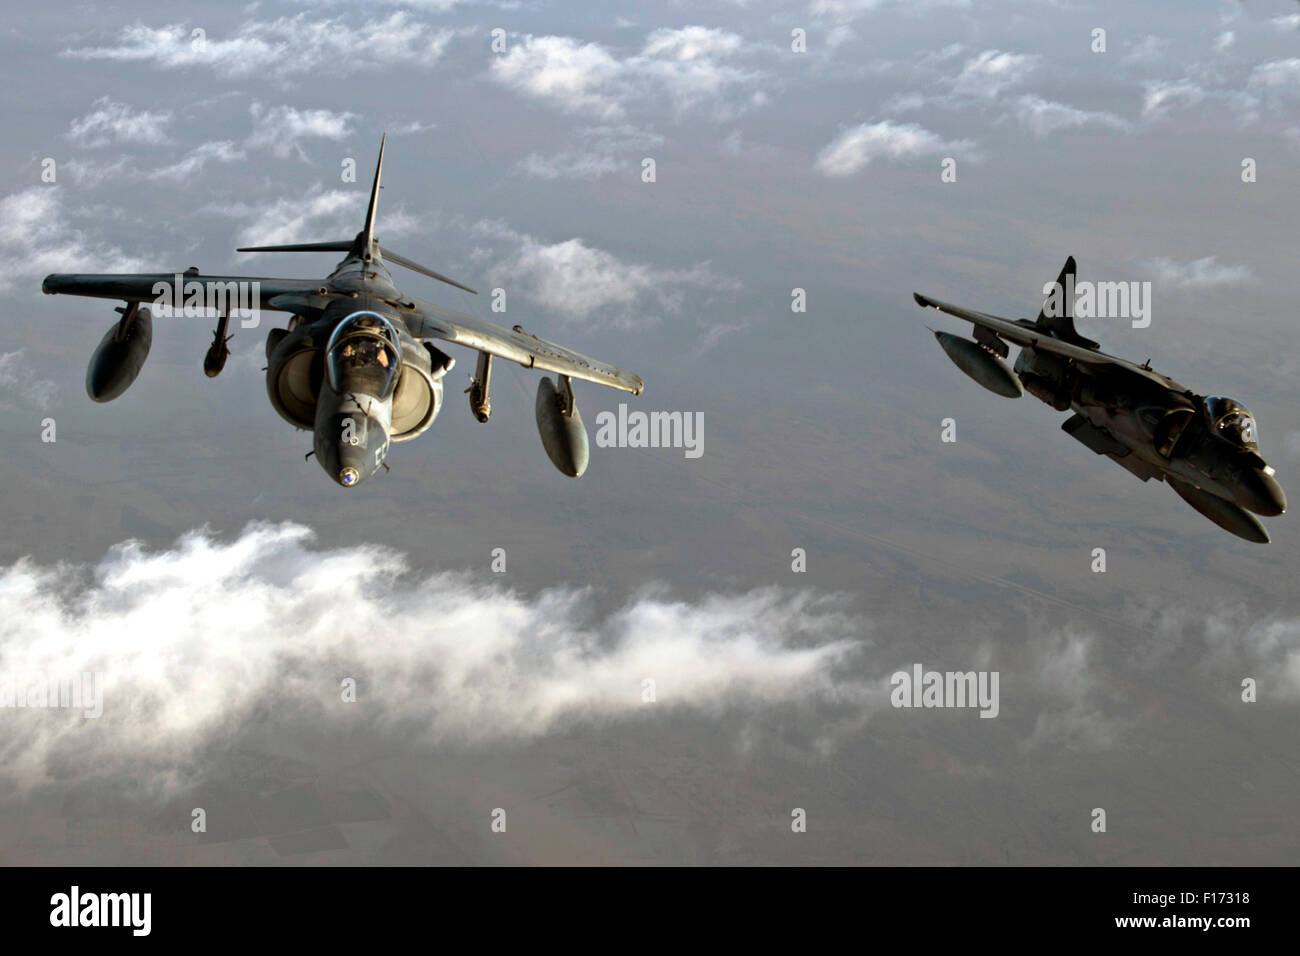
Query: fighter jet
[[1205, 447], [359, 363]]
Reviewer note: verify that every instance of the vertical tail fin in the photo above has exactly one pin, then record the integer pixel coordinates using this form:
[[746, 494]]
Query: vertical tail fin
[[364, 245], [1057, 314], [368, 232]]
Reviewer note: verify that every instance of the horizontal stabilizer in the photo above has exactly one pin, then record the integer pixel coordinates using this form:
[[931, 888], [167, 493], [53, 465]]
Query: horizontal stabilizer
[[423, 270], [347, 245], [341, 245]]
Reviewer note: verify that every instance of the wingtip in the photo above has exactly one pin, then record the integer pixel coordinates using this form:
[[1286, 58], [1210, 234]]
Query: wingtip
[[920, 299]]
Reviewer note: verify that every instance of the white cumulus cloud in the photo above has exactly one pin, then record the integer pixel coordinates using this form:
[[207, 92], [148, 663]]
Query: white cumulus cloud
[[993, 71], [38, 236], [1042, 117], [858, 146], [281, 129], [1196, 274], [574, 279], [687, 69], [287, 46], [113, 122], [207, 637]]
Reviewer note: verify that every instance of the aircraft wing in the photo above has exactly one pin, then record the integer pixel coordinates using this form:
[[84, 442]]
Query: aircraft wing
[[435, 322], [140, 287], [1026, 336]]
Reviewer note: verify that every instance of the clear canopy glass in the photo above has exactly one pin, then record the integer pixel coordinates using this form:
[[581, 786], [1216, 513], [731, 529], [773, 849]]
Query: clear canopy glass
[[1232, 420], [362, 355]]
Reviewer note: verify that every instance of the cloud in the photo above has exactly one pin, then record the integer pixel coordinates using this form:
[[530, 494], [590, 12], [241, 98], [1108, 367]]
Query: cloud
[[981, 84], [690, 43], [1282, 76], [838, 36], [38, 237], [1070, 708], [603, 150], [569, 165], [282, 128], [1271, 87], [988, 74], [222, 151], [288, 46], [1197, 274], [407, 129], [112, 122], [572, 75], [684, 68], [857, 146], [18, 381], [1162, 94], [208, 637], [1233, 640], [319, 215], [845, 10], [574, 279], [1042, 117], [1147, 49], [89, 172]]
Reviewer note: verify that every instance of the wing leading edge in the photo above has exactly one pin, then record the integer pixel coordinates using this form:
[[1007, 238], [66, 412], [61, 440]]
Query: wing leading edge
[[140, 287], [435, 322], [1027, 336]]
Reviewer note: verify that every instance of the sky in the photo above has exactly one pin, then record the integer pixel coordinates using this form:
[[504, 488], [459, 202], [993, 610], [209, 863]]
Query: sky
[[347, 676]]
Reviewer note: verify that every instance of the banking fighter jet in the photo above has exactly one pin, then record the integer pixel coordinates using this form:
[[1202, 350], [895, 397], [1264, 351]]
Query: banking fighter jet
[[1205, 447]]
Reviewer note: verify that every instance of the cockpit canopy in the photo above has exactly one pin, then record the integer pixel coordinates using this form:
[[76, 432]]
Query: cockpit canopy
[[363, 355], [1231, 420]]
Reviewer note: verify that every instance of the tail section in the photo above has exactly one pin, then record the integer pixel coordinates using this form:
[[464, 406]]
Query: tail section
[[367, 237], [1057, 315], [364, 245]]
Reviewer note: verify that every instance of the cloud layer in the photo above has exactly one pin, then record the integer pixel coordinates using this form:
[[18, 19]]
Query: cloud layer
[[207, 637], [289, 46], [687, 69]]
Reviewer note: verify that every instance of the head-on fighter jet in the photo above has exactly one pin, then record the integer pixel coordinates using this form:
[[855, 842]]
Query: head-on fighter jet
[[1207, 448], [358, 364]]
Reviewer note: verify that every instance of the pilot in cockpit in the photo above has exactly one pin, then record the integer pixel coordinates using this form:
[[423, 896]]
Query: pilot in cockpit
[[362, 356], [1231, 420]]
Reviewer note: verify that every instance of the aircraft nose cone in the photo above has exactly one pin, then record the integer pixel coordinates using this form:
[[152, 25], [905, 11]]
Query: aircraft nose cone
[[1263, 495]]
